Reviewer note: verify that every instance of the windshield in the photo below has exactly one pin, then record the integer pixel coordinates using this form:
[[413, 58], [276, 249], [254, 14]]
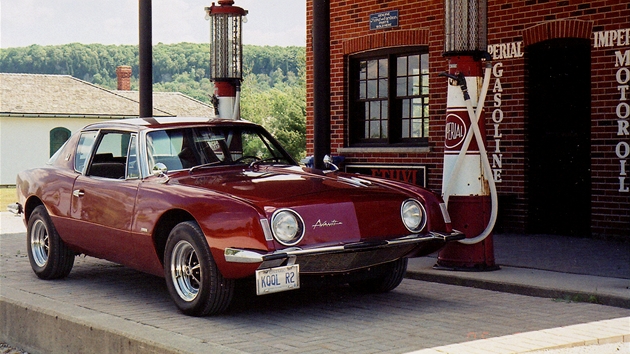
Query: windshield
[[186, 148]]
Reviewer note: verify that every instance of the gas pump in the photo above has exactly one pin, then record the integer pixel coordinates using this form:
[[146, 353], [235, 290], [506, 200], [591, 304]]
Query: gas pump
[[226, 56], [468, 186]]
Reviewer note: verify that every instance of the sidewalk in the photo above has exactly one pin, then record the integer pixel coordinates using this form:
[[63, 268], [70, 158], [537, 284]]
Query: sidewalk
[[562, 268]]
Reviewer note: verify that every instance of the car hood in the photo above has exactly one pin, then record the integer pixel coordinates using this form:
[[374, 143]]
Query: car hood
[[278, 185], [329, 203]]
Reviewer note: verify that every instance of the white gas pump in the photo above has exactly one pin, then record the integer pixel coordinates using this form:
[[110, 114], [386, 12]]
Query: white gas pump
[[468, 186]]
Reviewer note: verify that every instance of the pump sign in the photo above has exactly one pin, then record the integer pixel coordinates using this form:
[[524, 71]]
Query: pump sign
[[456, 131]]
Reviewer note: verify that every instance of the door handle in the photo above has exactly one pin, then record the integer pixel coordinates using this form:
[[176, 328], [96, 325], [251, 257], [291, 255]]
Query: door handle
[[78, 193]]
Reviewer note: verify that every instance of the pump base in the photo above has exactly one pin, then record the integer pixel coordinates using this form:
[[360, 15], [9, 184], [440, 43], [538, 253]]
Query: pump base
[[470, 214]]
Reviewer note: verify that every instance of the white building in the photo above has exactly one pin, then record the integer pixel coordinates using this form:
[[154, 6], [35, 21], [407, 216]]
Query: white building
[[39, 112]]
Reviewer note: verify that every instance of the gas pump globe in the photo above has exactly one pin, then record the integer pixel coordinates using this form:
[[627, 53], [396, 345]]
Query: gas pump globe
[[465, 27], [226, 55], [468, 186]]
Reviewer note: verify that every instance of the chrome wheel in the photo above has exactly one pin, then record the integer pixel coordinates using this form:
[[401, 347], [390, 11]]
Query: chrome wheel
[[185, 271], [48, 255], [39, 243], [192, 278]]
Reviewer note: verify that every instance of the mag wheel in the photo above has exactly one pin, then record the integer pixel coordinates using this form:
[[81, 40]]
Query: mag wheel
[[192, 277], [49, 256]]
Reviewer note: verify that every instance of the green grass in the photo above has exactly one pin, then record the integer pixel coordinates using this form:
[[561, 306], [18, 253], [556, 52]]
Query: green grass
[[7, 196]]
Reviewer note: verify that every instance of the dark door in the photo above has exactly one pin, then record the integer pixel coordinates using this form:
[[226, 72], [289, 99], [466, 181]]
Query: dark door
[[558, 154]]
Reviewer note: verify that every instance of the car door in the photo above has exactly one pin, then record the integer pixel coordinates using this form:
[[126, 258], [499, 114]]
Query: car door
[[103, 198]]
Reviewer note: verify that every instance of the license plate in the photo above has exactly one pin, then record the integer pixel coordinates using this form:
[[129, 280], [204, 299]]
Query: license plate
[[278, 279]]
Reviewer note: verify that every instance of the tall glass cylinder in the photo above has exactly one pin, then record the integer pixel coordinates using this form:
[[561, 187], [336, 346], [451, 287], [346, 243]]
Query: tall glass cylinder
[[465, 26]]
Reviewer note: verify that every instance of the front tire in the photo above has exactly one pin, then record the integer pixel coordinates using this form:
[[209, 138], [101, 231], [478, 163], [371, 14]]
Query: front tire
[[49, 256], [391, 276], [192, 277]]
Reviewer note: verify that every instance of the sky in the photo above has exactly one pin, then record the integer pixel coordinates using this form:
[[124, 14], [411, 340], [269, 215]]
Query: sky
[[52, 22]]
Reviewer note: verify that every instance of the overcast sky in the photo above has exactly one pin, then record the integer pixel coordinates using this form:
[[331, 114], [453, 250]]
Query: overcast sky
[[50, 22]]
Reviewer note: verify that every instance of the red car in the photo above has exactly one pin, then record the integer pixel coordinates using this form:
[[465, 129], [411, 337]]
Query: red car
[[204, 202]]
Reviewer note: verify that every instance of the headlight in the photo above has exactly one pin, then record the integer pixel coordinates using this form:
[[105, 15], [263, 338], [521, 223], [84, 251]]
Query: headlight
[[287, 227], [413, 215]]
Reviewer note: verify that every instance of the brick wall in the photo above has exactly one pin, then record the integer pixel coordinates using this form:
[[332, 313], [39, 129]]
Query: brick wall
[[519, 23]]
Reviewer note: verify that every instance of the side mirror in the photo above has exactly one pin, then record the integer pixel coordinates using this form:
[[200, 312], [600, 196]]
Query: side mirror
[[328, 161], [159, 169]]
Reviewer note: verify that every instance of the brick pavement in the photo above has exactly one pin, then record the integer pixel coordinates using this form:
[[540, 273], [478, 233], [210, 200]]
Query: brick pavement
[[415, 316]]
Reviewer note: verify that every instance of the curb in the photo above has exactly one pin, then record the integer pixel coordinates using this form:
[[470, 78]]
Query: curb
[[30, 322], [520, 289]]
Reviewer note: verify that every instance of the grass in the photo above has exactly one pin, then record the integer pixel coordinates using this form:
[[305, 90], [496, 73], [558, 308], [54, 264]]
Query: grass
[[7, 196]]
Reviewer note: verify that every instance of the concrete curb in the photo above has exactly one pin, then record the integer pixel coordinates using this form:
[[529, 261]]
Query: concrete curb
[[594, 333], [531, 282], [41, 325]]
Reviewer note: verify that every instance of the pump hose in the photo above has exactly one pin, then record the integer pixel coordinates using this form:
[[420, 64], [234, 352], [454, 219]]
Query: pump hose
[[474, 119]]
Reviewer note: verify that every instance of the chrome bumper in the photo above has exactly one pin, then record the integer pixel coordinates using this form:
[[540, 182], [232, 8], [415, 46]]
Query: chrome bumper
[[234, 255], [15, 208]]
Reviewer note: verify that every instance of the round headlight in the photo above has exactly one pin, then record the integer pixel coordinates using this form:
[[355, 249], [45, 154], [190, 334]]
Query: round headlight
[[287, 227], [413, 215]]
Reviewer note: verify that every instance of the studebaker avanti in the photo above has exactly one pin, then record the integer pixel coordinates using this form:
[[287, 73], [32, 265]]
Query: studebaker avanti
[[205, 202]]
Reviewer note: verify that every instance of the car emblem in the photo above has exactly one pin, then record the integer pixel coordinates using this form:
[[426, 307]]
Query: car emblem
[[326, 223]]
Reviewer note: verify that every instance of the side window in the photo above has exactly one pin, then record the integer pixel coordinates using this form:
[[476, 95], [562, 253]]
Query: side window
[[133, 170], [83, 150], [110, 158]]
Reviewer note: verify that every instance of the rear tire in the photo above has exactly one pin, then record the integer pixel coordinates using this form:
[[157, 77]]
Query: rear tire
[[392, 275], [192, 277], [49, 256]]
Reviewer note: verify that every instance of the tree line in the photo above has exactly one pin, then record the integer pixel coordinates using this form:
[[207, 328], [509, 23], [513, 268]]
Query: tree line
[[273, 92]]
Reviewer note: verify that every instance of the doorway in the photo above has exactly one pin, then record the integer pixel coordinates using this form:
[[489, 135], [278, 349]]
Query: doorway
[[558, 127]]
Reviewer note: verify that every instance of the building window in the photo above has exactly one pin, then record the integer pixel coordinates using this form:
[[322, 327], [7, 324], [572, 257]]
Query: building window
[[389, 98], [58, 137]]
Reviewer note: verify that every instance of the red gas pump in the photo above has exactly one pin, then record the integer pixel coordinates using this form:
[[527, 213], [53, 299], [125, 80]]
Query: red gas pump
[[226, 56], [467, 185]]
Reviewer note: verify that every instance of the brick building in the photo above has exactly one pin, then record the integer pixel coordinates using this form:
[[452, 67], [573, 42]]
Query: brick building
[[557, 112]]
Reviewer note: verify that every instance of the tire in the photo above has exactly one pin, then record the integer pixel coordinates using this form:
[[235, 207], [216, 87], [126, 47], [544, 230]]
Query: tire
[[192, 277], [49, 256], [391, 276]]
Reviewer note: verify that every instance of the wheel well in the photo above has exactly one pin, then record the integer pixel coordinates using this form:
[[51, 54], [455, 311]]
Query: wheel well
[[30, 205], [164, 226]]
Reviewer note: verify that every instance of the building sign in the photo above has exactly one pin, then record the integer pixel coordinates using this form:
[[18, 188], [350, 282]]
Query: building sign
[[382, 20], [413, 174], [500, 51], [606, 39]]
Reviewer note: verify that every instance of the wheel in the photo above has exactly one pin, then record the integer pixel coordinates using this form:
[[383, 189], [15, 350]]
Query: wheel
[[391, 275], [192, 277], [49, 256]]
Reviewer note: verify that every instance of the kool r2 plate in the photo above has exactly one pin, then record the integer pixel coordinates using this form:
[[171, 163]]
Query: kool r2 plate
[[277, 279]]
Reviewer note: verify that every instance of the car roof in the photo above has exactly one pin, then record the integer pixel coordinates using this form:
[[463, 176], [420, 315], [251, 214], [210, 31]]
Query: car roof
[[164, 122]]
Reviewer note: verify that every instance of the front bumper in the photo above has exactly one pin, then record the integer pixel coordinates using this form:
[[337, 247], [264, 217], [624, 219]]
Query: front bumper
[[347, 257]]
